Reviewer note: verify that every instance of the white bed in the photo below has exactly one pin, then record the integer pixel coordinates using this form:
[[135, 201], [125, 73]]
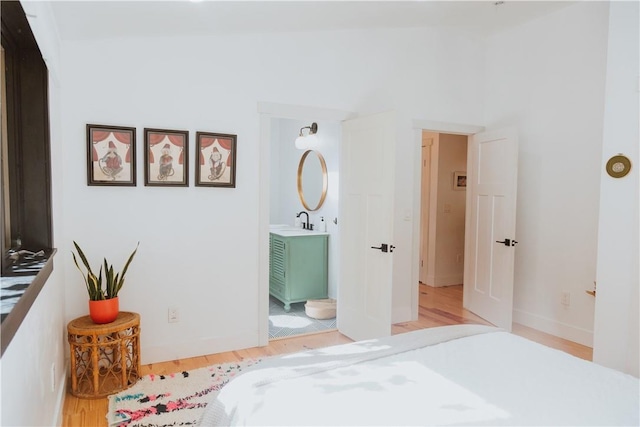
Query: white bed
[[451, 375]]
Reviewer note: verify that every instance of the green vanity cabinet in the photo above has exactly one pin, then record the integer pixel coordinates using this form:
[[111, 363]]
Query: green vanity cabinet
[[297, 267]]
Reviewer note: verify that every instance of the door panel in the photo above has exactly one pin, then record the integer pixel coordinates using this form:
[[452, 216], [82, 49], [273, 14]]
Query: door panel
[[491, 218], [366, 212]]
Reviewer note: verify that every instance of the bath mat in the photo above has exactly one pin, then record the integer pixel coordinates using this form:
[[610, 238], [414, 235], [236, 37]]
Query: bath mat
[[171, 400]]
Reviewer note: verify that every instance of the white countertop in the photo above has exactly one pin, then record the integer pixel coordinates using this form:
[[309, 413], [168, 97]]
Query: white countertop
[[289, 231]]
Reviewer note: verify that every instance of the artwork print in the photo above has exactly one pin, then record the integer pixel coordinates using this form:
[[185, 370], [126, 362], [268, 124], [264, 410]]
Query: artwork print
[[216, 160], [459, 180], [166, 157], [111, 155]]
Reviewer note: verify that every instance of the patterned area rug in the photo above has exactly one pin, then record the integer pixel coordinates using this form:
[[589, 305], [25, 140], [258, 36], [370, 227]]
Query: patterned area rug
[[295, 322], [171, 400]]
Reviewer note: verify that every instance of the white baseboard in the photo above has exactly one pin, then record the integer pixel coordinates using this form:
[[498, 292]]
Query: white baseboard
[[62, 393], [205, 346], [553, 327], [441, 281]]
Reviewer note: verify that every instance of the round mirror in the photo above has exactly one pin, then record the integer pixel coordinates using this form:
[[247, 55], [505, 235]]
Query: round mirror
[[312, 180]]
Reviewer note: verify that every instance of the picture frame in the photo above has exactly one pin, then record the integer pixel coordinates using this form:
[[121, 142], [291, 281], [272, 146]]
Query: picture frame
[[111, 155], [459, 180], [216, 155], [166, 157]]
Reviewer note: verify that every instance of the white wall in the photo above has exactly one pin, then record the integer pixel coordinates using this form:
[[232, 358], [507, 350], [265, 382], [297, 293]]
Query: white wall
[[617, 316], [198, 245], [27, 362], [40, 342], [448, 245], [546, 78], [285, 203], [275, 176]]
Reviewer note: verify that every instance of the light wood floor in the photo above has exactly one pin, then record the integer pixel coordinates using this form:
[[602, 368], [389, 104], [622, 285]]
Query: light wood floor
[[438, 307]]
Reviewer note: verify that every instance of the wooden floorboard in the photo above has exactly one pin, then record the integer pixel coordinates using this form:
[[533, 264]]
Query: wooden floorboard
[[437, 307]]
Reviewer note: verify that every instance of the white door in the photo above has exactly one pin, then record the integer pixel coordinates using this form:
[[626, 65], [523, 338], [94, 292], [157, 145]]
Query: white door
[[492, 172], [367, 166]]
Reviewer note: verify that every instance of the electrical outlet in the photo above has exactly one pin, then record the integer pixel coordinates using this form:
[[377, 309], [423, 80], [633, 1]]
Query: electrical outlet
[[459, 258], [173, 315], [565, 298]]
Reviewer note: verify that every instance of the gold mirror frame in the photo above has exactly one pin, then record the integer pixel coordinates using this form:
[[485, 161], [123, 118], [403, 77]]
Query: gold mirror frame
[[323, 165]]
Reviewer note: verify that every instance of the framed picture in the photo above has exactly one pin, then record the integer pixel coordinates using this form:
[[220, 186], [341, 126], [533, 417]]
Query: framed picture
[[111, 155], [459, 180], [166, 155], [216, 160]]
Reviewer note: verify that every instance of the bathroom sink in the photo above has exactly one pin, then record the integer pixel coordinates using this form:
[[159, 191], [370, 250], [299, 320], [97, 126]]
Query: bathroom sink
[[288, 230]]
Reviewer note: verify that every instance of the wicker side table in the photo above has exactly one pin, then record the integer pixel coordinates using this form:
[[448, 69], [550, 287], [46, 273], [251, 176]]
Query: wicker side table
[[105, 359]]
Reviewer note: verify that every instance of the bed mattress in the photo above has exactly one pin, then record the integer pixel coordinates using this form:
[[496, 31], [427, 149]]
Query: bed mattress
[[452, 375]]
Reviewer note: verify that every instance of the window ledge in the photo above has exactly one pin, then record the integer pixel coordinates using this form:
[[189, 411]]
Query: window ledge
[[32, 283]]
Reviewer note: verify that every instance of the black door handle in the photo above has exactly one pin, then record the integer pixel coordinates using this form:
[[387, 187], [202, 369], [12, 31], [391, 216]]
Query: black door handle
[[383, 247], [508, 242]]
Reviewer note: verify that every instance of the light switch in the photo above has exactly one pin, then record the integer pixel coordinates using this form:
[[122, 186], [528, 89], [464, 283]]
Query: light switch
[[447, 208]]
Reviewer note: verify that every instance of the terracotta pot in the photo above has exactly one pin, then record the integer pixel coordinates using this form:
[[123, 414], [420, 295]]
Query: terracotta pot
[[104, 311]]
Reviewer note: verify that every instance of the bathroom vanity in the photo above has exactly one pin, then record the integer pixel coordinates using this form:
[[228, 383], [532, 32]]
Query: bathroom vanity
[[297, 265]]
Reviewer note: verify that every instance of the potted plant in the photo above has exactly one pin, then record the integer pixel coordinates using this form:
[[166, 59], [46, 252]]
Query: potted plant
[[103, 301]]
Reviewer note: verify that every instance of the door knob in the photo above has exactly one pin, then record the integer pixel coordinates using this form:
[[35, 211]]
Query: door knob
[[383, 247]]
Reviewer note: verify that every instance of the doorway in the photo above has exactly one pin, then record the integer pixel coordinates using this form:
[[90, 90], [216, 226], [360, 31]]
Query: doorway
[[442, 208], [288, 315], [488, 270]]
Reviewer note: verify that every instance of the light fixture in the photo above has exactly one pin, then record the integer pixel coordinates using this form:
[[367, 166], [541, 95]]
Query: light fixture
[[302, 141]]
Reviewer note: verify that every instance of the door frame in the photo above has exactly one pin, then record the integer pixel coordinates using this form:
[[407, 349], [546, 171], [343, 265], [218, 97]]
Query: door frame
[[430, 126], [266, 112]]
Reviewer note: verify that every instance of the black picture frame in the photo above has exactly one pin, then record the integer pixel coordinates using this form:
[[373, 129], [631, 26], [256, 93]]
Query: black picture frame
[[106, 163], [166, 157], [216, 155]]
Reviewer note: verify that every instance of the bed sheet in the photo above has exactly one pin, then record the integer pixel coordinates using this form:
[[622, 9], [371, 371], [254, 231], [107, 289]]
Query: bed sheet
[[453, 375]]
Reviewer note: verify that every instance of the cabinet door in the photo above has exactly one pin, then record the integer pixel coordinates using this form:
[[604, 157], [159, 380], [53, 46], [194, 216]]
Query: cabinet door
[[278, 267], [307, 268]]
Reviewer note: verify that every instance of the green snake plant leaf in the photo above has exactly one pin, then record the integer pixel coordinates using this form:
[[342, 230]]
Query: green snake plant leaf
[[120, 283], [79, 269], [93, 283], [111, 288], [82, 257]]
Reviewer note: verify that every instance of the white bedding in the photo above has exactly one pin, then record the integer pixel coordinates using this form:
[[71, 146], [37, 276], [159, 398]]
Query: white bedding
[[452, 375]]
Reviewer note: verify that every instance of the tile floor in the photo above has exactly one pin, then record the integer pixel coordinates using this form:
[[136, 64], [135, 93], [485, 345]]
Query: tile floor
[[295, 322]]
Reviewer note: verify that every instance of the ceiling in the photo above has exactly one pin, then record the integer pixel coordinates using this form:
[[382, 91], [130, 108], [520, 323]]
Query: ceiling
[[90, 20]]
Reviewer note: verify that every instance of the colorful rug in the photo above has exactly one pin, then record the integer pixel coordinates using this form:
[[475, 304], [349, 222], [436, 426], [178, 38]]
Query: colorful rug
[[171, 400]]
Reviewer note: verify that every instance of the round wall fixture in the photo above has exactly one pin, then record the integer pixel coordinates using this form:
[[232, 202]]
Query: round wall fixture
[[618, 166]]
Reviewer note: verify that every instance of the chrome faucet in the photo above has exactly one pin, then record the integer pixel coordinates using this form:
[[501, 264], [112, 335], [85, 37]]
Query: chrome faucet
[[305, 225]]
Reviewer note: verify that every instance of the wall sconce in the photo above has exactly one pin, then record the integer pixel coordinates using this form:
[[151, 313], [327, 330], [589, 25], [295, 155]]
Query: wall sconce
[[304, 142]]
